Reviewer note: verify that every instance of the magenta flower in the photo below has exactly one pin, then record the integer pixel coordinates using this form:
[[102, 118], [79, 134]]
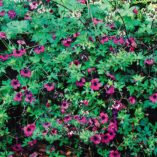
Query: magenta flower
[[15, 83], [21, 42], [67, 42], [48, 105], [95, 85], [112, 127], [104, 39], [27, 17], [90, 70], [114, 153], [105, 138], [75, 35], [96, 139], [153, 98], [3, 35], [132, 100], [91, 39], [39, 49], [103, 118], [112, 25], [34, 154], [82, 120], [4, 57], [135, 11], [96, 122], [46, 125], [11, 14], [49, 87], [121, 41], [85, 102], [25, 72], [29, 129], [18, 97], [33, 5], [65, 105], [17, 148], [29, 98], [149, 61], [81, 82], [1, 3], [18, 53], [44, 132], [82, 1], [76, 62], [117, 105], [97, 21], [54, 131], [112, 134], [112, 77], [110, 90], [2, 13], [67, 118], [32, 143]]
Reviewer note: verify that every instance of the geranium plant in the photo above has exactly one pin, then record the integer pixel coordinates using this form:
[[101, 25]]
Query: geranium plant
[[78, 78]]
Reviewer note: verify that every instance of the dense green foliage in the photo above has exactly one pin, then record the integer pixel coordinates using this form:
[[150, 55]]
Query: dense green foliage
[[72, 71]]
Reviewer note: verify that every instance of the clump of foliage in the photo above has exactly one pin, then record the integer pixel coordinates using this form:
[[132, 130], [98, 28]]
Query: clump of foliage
[[78, 78]]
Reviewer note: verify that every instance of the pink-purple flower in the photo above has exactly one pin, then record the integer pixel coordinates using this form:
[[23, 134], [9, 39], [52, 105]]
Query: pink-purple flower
[[110, 90], [2, 13], [65, 105], [29, 98], [135, 11], [49, 86], [25, 72], [29, 129], [17, 147], [18, 53], [149, 61], [103, 117], [33, 5], [97, 21], [39, 49], [82, 1], [114, 153], [11, 14], [105, 138], [96, 139], [18, 97], [46, 125], [3, 35], [153, 98], [132, 100], [15, 83], [95, 84], [67, 42], [81, 82], [4, 57], [104, 39]]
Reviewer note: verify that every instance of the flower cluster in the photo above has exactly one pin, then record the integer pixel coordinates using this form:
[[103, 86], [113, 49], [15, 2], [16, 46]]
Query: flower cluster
[[78, 78]]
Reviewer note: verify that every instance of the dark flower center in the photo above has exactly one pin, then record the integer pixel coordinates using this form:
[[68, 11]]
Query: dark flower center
[[49, 84], [25, 70], [18, 52], [29, 129], [15, 83], [154, 96], [95, 83], [102, 117], [29, 97], [95, 138], [105, 137], [19, 95]]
